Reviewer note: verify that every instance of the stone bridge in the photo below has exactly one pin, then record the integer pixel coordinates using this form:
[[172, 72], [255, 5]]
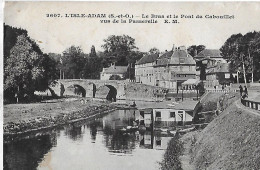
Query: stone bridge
[[109, 89]]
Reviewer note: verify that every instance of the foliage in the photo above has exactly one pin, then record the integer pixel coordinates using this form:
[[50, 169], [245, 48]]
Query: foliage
[[154, 50], [118, 49], [93, 65], [244, 50], [26, 68], [171, 158], [72, 62], [115, 77], [194, 49], [10, 37]]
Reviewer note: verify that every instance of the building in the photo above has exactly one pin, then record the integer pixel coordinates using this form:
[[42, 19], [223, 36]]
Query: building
[[167, 115], [219, 75], [144, 69], [168, 70], [113, 70], [174, 67], [207, 59]]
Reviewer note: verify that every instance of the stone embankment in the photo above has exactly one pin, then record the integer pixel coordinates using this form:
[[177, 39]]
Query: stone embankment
[[135, 91], [64, 114]]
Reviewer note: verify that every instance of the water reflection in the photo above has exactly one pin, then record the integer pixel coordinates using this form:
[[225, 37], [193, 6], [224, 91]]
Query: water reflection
[[27, 153], [96, 144]]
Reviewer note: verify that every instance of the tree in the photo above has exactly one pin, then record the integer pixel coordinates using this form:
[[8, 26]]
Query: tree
[[194, 49], [115, 77], [22, 69], [117, 49], [242, 52], [73, 62], [93, 52], [93, 65], [154, 50]]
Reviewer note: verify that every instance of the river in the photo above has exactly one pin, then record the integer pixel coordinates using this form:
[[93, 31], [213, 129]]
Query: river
[[98, 144]]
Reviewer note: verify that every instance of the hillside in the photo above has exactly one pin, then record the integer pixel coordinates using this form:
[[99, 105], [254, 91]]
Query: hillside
[[230, 141]]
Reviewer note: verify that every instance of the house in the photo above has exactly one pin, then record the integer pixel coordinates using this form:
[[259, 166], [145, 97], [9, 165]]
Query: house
[[219, 75], [144, 70], [167, 115], [207, 59], [113, 70], [174, 67], [168, 70]]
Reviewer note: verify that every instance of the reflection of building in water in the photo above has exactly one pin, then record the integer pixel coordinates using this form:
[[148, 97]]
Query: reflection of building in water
[[154, 140], [119, 119]]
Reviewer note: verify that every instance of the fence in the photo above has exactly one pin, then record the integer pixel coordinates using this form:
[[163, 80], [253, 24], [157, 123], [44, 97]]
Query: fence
[[221, 91], [251, 104]]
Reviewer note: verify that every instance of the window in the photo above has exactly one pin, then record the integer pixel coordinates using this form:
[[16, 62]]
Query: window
[[172, 114], [142, 113], [158, 114], [181, 60], [158, 142]]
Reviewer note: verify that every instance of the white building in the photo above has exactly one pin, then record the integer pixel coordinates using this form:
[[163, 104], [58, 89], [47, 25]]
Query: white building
[[113, 70], [144, 69]]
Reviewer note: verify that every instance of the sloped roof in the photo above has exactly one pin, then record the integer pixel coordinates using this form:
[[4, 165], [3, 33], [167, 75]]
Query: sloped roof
[[147, 59], [220, 68], [191, 82], [178, 57], [212, 53], [115, 70], [167, 54]]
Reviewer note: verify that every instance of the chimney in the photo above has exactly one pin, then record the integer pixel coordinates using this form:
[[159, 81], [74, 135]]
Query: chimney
[[173, 47]]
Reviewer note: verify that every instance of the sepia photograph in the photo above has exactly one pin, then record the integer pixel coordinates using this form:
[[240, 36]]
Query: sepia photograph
[[102, 85]]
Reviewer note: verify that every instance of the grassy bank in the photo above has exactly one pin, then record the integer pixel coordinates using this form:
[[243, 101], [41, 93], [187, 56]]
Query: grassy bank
[[231, 141], [20, 118]]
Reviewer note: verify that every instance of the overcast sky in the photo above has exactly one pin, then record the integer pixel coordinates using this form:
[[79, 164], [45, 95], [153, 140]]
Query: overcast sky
[[57, 34]]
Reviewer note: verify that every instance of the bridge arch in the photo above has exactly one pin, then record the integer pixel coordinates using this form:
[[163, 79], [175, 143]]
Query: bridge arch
[[78, 90], [111, 96]]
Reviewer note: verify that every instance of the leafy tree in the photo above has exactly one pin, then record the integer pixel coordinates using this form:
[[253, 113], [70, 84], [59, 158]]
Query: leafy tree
[[242, 51], [154, 50], [93, 52], [115, 77], [194, 49], [22, 69], [73, 62], [117, 49], [10, 37], [93, 65]]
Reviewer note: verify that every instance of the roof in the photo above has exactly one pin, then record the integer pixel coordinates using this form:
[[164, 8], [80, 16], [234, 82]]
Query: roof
[[178, 57], [183, 72], [212, 53], [167, 54], [185, 105], [220, 68], [191, 82], [147, 59], [115, 70]]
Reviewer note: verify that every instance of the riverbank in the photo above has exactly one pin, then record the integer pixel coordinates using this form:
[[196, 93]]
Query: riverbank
[[230, 141], [22, 118]]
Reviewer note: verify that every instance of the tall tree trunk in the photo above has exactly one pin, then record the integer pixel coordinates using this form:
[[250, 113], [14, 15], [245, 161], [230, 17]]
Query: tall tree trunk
[[244, 70]]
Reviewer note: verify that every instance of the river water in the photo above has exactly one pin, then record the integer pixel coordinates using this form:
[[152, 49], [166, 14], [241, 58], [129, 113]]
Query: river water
[[90, 145]]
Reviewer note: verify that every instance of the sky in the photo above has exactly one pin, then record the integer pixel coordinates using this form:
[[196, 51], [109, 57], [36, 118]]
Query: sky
[[57, 34]]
